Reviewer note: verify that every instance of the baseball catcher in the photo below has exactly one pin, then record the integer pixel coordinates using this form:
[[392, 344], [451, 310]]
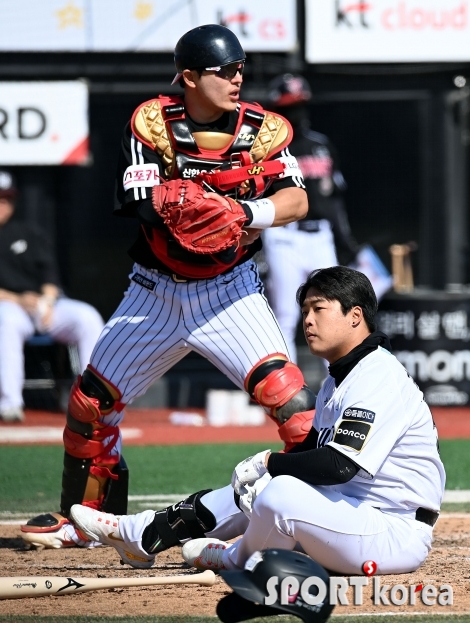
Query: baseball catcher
[[203, 174]]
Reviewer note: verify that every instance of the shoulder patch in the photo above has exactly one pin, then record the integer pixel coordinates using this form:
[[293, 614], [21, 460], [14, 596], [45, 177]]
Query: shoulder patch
[[352, 434], [359, 415]]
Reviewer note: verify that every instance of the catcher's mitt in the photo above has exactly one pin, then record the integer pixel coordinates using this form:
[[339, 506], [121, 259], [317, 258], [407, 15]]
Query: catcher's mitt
[[198, 224]]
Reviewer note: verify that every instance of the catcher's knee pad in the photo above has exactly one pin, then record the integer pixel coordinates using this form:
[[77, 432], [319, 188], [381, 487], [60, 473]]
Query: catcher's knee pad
[[189, 519], [93, 474], [278, 385]]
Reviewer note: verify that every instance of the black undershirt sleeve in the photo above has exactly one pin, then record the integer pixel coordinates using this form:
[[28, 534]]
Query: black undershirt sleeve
[[320, 466]]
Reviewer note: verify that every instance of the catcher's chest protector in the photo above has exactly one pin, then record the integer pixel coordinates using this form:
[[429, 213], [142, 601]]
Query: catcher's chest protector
[[162, 126]]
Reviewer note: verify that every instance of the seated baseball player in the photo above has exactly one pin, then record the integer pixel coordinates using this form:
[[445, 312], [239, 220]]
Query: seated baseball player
[[366, 483]]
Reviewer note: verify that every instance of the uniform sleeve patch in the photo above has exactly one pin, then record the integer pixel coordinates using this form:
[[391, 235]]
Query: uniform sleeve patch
[[359, 415], [352, 434]]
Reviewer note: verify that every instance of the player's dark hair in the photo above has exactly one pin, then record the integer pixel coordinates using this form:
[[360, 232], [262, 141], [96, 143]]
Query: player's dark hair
[[350, 287]]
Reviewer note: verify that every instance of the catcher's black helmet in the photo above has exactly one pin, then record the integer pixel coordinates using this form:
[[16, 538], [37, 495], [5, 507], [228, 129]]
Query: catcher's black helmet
[[207, 46], [288, 89], [256, 582]]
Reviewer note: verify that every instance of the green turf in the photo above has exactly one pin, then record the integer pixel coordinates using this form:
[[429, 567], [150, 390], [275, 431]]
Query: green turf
[[30, 476], [455, 454], [431, 618]]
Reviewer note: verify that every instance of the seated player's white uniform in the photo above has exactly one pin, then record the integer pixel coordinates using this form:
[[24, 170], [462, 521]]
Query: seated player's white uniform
[[378, 418]]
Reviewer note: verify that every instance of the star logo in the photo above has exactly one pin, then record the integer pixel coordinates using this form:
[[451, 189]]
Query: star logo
[[143, 10], [70, 15]]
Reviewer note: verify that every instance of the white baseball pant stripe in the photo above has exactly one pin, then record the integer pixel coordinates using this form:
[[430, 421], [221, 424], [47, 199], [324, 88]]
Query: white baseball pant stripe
[[226, 319], [337, 531], [291, 255], [73, 322]]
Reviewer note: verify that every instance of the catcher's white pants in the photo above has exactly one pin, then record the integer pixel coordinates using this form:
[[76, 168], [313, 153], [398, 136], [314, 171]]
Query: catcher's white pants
[[73, 322], [291, 255], [226, 319], [337, 531]]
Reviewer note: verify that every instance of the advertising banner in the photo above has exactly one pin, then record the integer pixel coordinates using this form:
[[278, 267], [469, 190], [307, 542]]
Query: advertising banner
[[141, 25], [44, 123], [384, 31], [430, 336]]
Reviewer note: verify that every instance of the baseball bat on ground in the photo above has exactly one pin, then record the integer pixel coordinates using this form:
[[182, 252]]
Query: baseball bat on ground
[[38, 586]]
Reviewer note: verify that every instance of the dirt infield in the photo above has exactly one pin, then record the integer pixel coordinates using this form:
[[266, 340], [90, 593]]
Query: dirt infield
[[448, 563]]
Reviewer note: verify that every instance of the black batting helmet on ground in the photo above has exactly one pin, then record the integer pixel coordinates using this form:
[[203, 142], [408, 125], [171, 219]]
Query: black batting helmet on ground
[[260, 583], [207, 46], [288, 89]]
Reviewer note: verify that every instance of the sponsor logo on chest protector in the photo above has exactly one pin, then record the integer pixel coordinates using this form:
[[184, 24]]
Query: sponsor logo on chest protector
[[352, 434], [359, 415]]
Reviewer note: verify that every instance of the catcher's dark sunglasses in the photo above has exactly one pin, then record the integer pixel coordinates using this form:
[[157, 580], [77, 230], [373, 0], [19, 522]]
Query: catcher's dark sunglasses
[[228, 72]]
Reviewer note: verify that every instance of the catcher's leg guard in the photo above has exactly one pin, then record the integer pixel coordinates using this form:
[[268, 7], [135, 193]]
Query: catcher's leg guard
[[93, 474], [279, 385], [189, 519]]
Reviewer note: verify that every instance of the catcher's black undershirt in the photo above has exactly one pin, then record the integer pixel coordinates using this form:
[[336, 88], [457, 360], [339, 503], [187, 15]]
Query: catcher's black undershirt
[[325, 466]]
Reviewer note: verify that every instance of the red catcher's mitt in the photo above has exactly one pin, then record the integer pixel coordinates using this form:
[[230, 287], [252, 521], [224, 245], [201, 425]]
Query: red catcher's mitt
[[199, 225]]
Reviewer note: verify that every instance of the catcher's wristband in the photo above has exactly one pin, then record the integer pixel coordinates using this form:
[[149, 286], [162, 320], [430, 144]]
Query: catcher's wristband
[[260, 213]]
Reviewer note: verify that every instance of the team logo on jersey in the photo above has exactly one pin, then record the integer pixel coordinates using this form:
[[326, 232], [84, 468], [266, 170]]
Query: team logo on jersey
[[359, 415], [352, 434]]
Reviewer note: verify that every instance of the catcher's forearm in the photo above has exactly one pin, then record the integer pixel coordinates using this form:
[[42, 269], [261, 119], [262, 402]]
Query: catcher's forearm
[[291, 204]]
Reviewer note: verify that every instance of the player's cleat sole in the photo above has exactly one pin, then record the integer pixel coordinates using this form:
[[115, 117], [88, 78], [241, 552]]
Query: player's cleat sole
[[104, 528], [47, 531], [204, 553]]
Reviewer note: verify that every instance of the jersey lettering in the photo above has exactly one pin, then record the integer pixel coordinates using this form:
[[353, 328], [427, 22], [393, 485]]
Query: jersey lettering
[[138, 175], [352, 434], [292, 168], [359, 415]]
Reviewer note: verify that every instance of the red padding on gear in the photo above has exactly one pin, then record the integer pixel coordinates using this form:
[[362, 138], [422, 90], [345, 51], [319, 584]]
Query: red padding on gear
[[296, 428], [103, 472], [82, 407], [82, 448], [278, 356], [279, 386]]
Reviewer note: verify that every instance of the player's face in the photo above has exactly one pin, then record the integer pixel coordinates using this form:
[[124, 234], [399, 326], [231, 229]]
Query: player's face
[[329, 333], [6, 209], [213, 93]]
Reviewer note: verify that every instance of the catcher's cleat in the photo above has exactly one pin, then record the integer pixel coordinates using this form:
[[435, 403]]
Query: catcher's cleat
[[53, 531], [104, 528], [50, 531], [204, 553]]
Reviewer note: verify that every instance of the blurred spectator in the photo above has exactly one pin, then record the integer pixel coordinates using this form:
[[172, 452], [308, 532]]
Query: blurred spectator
[[324, 236], [31, 301]]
